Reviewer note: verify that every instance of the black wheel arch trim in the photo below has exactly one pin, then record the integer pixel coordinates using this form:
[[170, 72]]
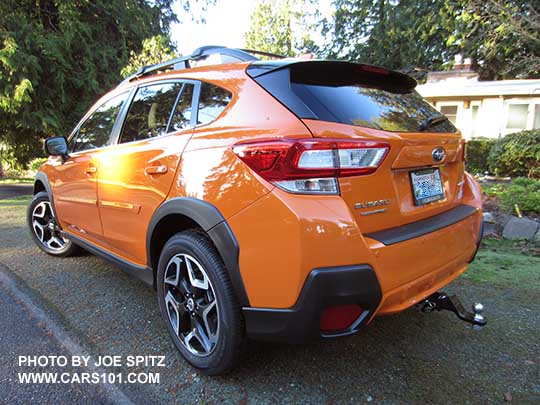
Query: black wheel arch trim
[[210, 219], [43, 179]]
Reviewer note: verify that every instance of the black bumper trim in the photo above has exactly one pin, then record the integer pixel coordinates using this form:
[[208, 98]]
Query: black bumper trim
[[323, 288], [424, 226]]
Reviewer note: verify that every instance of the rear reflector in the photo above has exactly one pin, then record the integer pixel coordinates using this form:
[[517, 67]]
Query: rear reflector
[[301, 165], [339, 318]]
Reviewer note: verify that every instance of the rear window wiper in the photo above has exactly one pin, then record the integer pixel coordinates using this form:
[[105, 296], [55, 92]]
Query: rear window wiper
[[431, 121]]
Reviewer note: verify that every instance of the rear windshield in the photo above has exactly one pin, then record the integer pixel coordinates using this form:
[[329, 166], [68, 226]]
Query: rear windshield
[[343, 94]]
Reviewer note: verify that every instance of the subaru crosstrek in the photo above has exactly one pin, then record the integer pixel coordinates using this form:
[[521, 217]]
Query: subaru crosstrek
[[280, 200]]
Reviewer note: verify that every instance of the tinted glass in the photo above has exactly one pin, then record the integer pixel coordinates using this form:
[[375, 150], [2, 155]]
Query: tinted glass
[[369, 107], [182, 113], [212, 102], [149, 112], [95, 132], [349, 93]]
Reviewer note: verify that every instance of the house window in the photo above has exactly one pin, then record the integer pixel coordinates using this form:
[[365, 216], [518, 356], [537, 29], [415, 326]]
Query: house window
[[451, 112], [536, 124], [517, 116], [474, 119]]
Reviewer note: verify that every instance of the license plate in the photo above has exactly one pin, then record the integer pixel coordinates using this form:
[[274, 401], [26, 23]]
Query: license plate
[[427, 186]]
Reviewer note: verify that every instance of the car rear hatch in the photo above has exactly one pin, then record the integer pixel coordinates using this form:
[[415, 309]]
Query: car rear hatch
[[422, 173]]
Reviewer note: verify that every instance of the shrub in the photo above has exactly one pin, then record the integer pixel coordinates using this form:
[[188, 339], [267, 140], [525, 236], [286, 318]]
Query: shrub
[[478, 150], [516, 155], [524, 192], [34, 164]]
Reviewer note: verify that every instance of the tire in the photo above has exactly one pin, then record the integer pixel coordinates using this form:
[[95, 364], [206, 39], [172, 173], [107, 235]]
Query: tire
[[199, 307], [44, 228]]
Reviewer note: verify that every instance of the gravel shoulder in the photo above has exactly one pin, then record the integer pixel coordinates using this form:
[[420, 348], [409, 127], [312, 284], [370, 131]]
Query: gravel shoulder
[[409, 357]]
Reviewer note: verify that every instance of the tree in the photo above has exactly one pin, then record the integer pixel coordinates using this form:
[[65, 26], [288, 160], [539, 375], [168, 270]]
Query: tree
[[396, 34], [154, 50], [57, 56], [501, 37], [280, 27]]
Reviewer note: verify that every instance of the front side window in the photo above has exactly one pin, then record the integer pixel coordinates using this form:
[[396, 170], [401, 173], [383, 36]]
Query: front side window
[[95, 132], [149, 113], [212, 101]]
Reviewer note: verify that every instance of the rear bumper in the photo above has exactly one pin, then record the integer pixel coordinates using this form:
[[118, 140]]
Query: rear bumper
[[378, 289], [323, 288]]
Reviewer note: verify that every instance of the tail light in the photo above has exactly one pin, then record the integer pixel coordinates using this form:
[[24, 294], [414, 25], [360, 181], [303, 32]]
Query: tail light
[[311, 166]]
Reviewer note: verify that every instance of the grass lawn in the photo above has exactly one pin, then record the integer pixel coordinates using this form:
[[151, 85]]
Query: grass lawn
[[15, 202], [502, 262]]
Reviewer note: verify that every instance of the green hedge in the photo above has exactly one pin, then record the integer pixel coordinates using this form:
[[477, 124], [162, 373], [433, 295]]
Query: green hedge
[[478, 150], [516, 155], [523, 192]]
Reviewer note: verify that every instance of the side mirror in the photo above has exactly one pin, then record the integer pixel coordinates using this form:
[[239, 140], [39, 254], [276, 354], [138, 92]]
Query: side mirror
[[57, 145]]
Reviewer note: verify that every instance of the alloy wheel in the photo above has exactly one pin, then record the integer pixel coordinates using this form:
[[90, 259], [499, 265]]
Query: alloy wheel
[[191, 304], [45, 227]]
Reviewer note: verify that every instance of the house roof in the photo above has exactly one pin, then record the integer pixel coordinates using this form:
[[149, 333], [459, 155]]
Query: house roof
[[460, 87]]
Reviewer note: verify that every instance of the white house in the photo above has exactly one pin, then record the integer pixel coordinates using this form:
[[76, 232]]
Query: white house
[[483, 108]]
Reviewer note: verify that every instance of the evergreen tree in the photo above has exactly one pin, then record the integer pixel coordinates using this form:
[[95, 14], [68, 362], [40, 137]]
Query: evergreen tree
[[281, 27], [57, 56], [154, 50]]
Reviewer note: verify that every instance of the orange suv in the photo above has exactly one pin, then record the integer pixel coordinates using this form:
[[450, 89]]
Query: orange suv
[[281, 200]]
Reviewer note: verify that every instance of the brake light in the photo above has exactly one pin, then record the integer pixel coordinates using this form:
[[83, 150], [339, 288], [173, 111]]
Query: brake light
[[311, 166]]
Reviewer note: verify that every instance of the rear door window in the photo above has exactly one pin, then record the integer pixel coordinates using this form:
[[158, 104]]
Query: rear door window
[[150, 111], [95, 132], [212, 101]]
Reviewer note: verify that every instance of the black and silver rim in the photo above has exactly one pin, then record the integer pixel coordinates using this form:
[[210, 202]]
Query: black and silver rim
[[191, 305], [45, 227]]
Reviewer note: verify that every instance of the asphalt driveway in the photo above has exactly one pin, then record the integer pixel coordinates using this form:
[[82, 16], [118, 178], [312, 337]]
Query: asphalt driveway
[[15, 190], [410, 357]]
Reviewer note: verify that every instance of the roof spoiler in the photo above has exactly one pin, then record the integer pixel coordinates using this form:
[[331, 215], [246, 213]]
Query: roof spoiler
[[336, 73]]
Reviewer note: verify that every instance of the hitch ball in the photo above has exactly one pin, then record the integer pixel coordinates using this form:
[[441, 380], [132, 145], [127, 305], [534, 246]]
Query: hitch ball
[[478, 308]]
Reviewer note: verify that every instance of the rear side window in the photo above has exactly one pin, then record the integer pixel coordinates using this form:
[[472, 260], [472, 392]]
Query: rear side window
[[95, 132], [182, 113], [352, 94], [212, 101], [150, 110]]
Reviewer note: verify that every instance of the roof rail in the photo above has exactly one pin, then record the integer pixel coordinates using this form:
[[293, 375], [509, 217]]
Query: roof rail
[[183, 62], [263, 53]]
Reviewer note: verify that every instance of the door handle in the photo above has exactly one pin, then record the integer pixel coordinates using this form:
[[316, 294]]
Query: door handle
[[90, 170], [162, 169]]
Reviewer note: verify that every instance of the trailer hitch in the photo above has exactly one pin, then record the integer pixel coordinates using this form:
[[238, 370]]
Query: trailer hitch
[[440, 301]]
